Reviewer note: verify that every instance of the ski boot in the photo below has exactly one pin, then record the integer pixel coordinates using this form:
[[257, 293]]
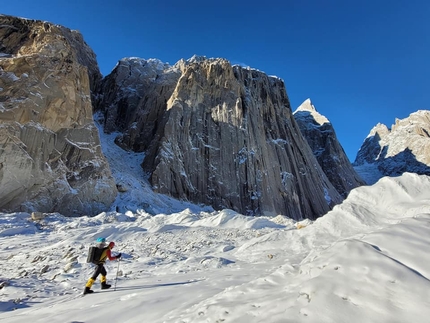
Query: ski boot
[[105, 286], [87, 290]]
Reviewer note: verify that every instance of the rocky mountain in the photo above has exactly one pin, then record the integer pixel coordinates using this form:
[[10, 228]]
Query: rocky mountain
[[50, 156], [322, 139], [133, 99], [403, 148], [216, 134], [212, 133]]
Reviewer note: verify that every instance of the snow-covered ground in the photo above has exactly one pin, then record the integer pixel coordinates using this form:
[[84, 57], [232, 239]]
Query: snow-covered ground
[[365, 261]]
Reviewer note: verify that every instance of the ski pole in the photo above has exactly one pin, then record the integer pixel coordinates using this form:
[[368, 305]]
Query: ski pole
[[117, 270]]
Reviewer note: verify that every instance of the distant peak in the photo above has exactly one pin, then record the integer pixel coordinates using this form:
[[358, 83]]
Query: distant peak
[[197, 59], [380, 129], [307, 106]]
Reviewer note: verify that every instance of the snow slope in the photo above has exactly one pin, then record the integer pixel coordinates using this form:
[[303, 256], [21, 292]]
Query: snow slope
[[365, 261], [138, 195]]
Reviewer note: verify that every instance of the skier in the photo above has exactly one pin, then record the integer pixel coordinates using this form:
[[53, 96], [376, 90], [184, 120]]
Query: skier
[[100, 269]]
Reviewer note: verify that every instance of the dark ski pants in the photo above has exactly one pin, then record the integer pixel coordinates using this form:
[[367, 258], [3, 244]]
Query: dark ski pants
[[100, 269]]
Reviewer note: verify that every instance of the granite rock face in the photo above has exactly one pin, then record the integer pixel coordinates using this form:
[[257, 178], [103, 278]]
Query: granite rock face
[[403, 148], [133, 100], [322, 139], [217, 134], [50, 155]]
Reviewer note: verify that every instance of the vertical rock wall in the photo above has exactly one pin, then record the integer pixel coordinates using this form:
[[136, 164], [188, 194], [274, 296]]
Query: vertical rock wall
[[219, 135], [50, 156], [133, 100]]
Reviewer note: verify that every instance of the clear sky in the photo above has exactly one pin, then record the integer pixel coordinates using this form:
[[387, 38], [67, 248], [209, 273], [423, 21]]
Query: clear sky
[[360, 62]]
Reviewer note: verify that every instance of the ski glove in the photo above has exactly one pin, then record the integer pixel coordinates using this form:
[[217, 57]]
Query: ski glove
[[118, 256]]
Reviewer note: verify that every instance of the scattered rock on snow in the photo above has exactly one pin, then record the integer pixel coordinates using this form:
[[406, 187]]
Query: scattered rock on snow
[[44, 269], [69, 266], [37, 216]]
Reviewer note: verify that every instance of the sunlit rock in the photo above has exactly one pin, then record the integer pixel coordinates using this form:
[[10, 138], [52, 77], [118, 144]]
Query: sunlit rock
[[216, 134], [405, 147], [50, 156]]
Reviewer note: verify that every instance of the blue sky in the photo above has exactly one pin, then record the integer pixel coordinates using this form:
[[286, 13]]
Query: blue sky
[[360, 62]]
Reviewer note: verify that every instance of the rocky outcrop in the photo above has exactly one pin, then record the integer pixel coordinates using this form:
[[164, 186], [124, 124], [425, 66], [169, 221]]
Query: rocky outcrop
[[322, 139], [50, 156], [403, 148], [371, 148], [217, 134], [133, 100]]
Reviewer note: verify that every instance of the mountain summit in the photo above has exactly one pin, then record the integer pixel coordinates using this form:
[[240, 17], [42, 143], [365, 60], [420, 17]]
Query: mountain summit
[[403, 148], [322, 139]]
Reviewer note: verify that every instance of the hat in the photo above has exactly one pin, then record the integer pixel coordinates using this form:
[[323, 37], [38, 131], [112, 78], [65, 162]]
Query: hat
[[111, 244], [101, 239]]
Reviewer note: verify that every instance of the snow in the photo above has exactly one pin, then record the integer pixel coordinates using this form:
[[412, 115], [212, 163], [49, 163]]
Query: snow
[[153, 62], [138, 195], [278, 141], [364, 261], [306, 110]]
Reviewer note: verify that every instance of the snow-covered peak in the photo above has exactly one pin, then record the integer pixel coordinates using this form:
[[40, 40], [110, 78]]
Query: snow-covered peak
[[196, 59], [379, 129], [404, 147], [418, 119], [139, 63], [307, 106]]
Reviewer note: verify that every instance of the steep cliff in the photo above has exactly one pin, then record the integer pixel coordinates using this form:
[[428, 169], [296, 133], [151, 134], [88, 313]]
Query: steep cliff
[[217, 134], [322, 139], [403, 148], [50, 156], [133, 100]]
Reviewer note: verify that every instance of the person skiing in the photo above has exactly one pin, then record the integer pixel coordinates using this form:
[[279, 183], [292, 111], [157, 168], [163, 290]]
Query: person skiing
[[100, 269]]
